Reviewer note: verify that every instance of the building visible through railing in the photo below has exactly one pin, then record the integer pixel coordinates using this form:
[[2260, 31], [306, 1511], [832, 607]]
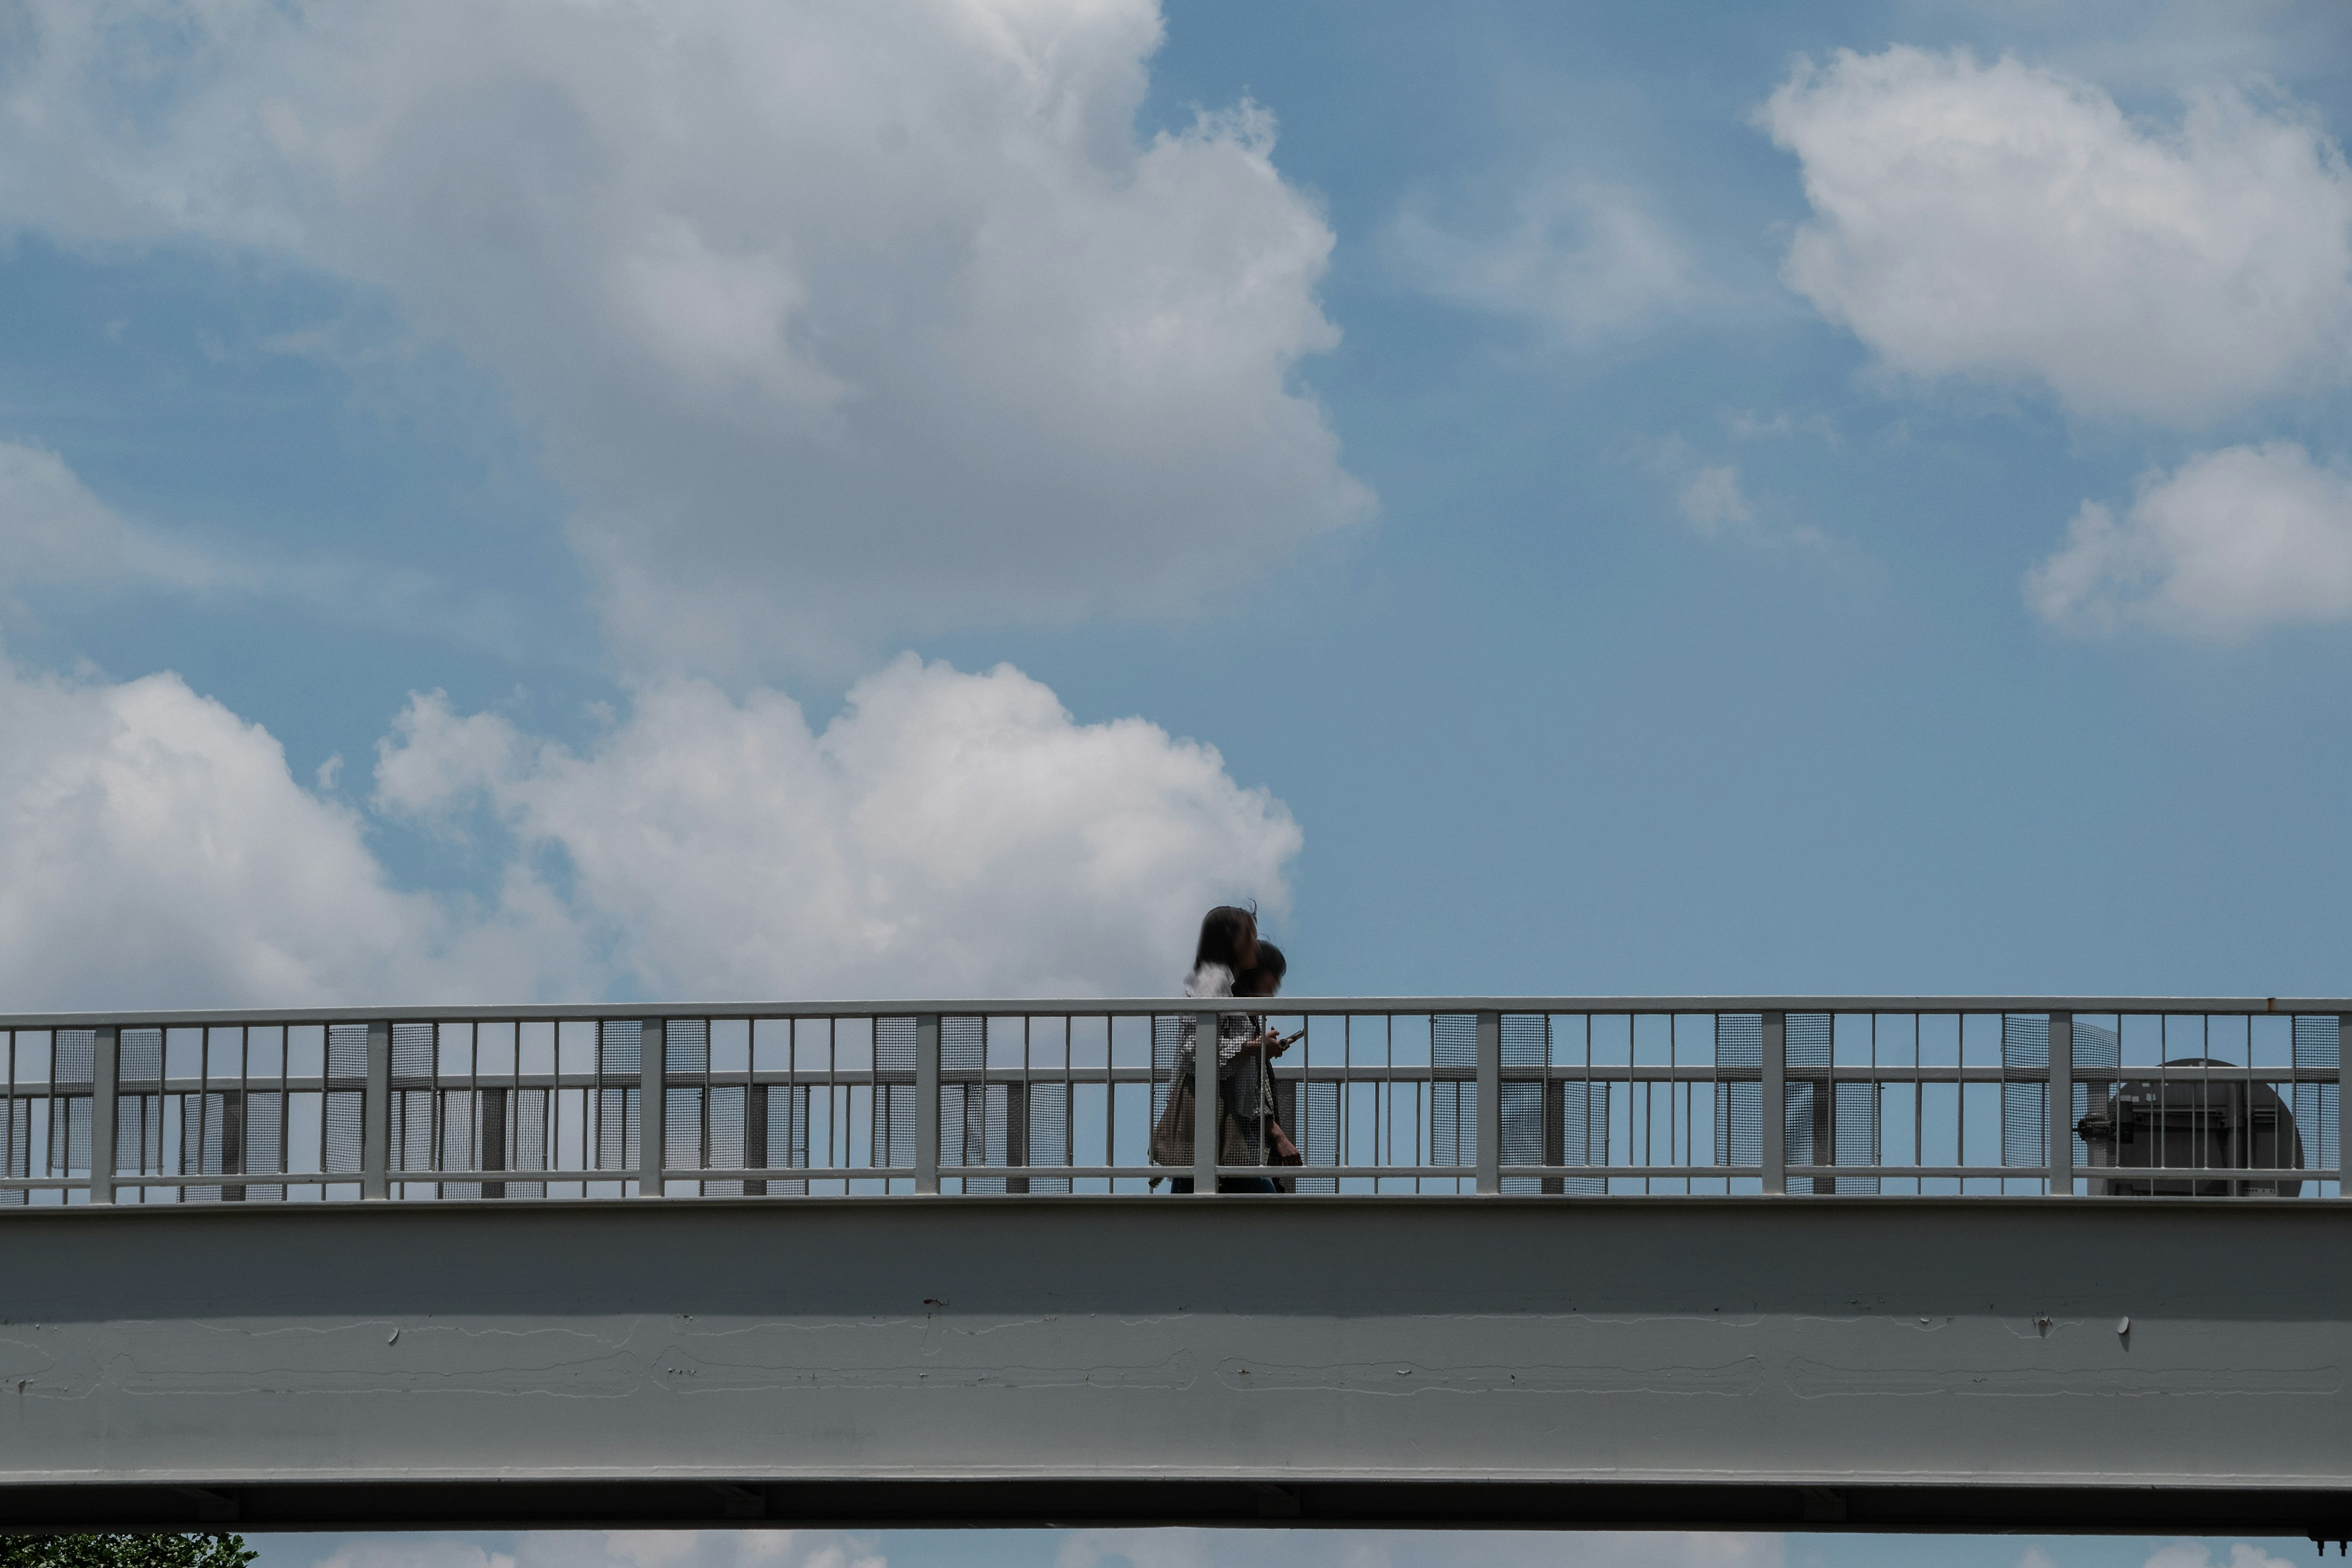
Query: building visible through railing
[[1570, 1096]]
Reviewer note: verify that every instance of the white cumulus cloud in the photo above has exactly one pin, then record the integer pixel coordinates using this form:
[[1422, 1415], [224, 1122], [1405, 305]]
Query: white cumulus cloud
[[2011, 222], [949, 833], [835, 320], [155, 851], [2229, 544]]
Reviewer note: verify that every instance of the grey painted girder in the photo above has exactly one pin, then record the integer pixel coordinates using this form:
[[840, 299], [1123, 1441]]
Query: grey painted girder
[[1905, 1363]]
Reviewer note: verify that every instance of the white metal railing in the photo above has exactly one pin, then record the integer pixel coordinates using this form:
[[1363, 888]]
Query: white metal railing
[[1573, 1095]]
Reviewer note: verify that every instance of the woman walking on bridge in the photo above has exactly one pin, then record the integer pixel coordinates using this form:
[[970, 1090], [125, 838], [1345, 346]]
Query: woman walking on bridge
[[1229, 960]]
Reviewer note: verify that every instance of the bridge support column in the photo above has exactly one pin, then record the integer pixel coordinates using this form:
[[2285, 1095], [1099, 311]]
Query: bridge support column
[[653, 1106], [2060, 1152], [104, 1070], [2343, 1037], [1206, 1122], [375, 1114], [1490, 1102], [927, 1103]]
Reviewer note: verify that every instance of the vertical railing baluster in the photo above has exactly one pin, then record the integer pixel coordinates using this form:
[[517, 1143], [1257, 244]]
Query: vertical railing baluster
[[652, 1105], [103, 1072], [2060, 1134], [927, 1103], [2343, 1035], [1774, 1093], [1489, 1108], [375, 1114], [1207, 1124]]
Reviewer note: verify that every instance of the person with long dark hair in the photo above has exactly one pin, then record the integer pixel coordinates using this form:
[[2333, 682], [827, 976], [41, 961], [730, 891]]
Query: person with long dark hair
[[1253, 1100], [1229, 947]]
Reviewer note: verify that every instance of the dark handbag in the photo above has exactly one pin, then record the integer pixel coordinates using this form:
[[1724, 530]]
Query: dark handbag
[[1171, 1136]]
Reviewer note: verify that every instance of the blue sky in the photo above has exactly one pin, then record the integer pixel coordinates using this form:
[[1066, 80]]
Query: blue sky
[[1598, 598], [1253, 1549], [1636, 499], [1595, 501]]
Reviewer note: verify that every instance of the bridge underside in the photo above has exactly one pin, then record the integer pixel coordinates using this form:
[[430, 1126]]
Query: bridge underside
[[1980, 1364], [752, 1503]]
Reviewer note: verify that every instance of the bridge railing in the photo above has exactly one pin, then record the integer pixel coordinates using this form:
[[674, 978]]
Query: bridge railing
[[1886, 1096]]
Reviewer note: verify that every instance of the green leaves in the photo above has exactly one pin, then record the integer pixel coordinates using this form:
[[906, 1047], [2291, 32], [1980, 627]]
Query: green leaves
[[159, 1551]]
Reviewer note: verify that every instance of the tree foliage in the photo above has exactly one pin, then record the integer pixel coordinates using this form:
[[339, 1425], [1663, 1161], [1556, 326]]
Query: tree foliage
[[154, 1551]]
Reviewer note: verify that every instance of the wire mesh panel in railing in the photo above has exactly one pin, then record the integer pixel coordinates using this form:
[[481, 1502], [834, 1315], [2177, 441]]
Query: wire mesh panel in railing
[[1007, 1089], [2208, 1106], [197, 1106], [514, 1107], [45, 1146], [1631, 1103], [1376, 1102], [769, 1107]]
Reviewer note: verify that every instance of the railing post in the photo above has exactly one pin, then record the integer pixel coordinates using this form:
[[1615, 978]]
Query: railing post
[[653, 1106], [2062, 1105], [375, 1114], [1207, 1123], [1773, 1091], [104, 1070], [927, 1103], [2343, 1035], [1489, 1120]]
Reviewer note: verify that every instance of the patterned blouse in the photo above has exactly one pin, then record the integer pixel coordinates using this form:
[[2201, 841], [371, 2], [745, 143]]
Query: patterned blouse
[[1250, 1093]]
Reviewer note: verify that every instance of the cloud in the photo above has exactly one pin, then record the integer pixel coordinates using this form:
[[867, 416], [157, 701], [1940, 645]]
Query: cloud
[[834, 320], [155, 851], [53, 532], [57, 536], [1585, 258], [2197, 1554], [1416, 1548], [2011, 222], [1747, 424], [2229, 544], [1711, 497], [694, 1548], [615, 1549], [949, 833]]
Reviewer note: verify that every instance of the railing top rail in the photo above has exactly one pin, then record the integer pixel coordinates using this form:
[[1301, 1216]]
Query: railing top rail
[[1097, 1006]]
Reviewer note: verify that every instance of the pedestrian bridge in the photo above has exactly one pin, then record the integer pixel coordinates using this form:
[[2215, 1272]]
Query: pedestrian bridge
[[1987, 1264]]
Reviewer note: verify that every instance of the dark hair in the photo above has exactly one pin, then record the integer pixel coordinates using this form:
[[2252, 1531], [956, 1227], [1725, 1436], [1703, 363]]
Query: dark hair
[[1223, 931], [1266, 978]]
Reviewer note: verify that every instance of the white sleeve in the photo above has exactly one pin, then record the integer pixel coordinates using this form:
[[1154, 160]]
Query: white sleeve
[[1233, 1032], [1209, 980]]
